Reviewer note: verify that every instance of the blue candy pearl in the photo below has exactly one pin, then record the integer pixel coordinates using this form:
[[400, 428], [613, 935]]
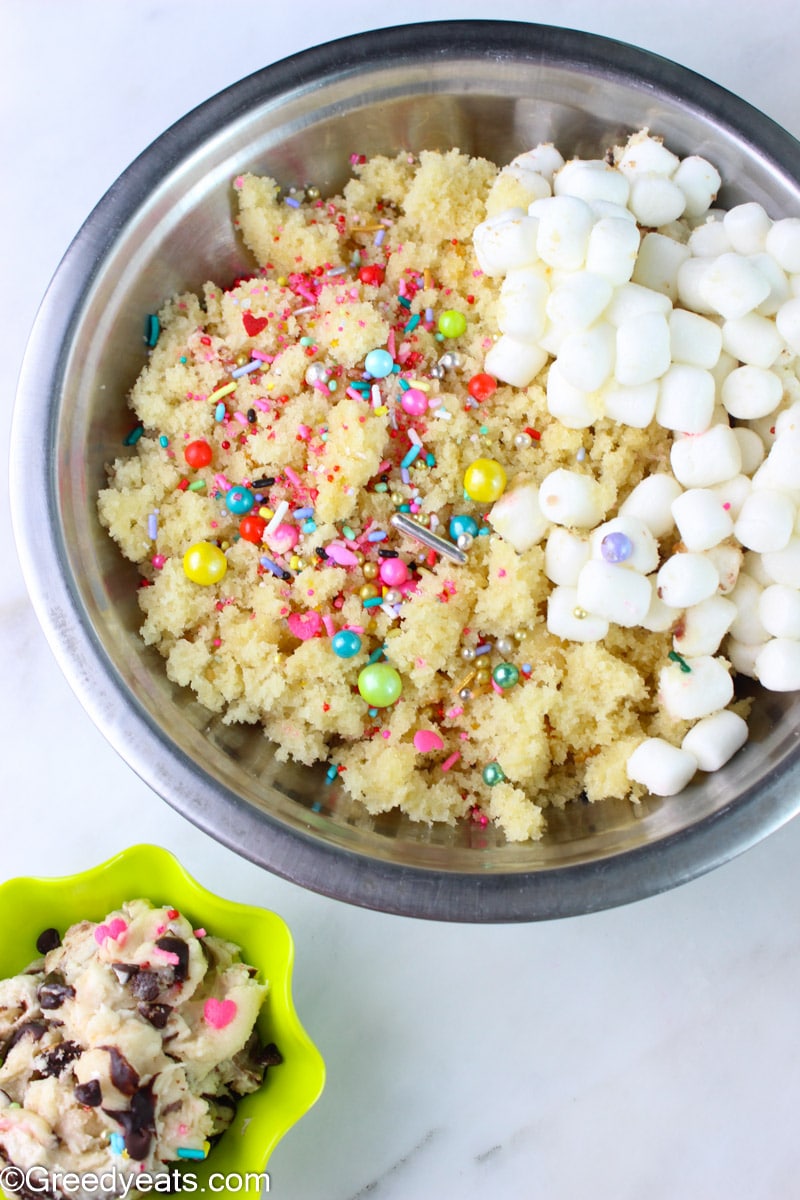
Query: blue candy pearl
[[379, 363], [616, 547], [239, 500], [345, 643], [462, 524]]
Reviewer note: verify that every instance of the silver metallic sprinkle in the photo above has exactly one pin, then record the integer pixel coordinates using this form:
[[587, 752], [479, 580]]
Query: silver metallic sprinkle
[[431, 540]]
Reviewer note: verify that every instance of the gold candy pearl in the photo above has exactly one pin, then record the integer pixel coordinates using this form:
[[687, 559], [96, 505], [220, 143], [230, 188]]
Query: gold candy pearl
[[396, 498], [242, 358], [370, 570], [360, 557], [482, 676], [368, 592]]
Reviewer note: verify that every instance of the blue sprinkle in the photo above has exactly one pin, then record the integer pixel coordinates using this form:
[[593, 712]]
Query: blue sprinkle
[[117, 1143], [483, 532], [484, 649], [290, 200], [219, 411], [152, 526], [377, 535], [379, 236], [373, 712], [246, 369], [303, 512], [308, 526], [411, 457], [271, 566]]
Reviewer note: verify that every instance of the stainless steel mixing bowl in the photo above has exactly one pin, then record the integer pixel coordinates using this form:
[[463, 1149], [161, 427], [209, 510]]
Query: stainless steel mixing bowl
[[490, 88]]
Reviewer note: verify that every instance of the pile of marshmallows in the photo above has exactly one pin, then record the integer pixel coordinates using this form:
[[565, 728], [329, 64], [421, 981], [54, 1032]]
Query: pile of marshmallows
[[690, 324]]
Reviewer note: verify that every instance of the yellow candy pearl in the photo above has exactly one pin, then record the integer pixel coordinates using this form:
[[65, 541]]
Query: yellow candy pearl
[[484, 480], [204, 563]]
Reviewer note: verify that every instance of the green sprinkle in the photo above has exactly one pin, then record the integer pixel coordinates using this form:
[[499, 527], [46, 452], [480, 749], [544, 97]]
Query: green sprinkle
[[306, 341], [197, 486], [682, 663], [484, 429], [349, 533], [332, 385], [381, 487], [132, 438]]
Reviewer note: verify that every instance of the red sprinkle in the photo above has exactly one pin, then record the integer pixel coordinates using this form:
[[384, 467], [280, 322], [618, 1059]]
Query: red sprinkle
[[534, 433]]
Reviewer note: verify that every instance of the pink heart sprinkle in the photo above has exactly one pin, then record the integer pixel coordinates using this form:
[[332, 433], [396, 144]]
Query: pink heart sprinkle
[[219, 1013], [426, 739], [304, 625], [112, 930]]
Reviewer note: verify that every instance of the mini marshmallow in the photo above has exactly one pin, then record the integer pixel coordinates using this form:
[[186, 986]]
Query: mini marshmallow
[[777, 665], [783, 566], [591, 179], [706, 459], [779, 611], [766, 521], [733, 493], [788, 420], [612, 249], [703, 626], [742, 657], [693, 339], [579, 300], [751, 447], [517, 517], [660, 617], [563, 235], [521, 307], [690, 283], [751, 392], [586, 357], [725, 364], [573, 407], [533, 182], [783, 244], [608, 590], [651, 501], [658, 262], [634, 406], [727, 558], [564, 555], [686, 579], [733, 286], [787, 320], [701, 519], [506, 241], [714, 740], [545, 159], [643, 154], [752, 339], [779, 288], [709, 240], [699, 181], [562, 605], [567, 498], [643, 546], [704, 689], [655, 201], [746, 626], [662, 768], [642, 349], [780, 467], [631, 300], [747, 226], [685, 399], [514, 362], [605, 208], [752, 565]]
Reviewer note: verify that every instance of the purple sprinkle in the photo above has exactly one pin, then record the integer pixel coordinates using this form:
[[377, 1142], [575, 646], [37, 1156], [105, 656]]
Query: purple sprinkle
[[152, 526], [379, 236], [290, 200], [616, 547], [271, 566], [484, 649], [428, 314], [245, 370], [377, 535], [405, 475]]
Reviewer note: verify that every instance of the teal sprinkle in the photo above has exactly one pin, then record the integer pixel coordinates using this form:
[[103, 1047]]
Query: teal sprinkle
[[373, 602], [484, 429], [483, 532], [430, 459], [412, 324], [163, 441], [439, 337], [405, 385], [332, 772], [132, 438], [183, 359], [406, 303], [373, 712], [411, 456], [323, 437], [395, 368], [188, 1152], [405, 508], [376, 654], [152, 330], [219, 411], [308, 526], [117, 1143], [332, 385]]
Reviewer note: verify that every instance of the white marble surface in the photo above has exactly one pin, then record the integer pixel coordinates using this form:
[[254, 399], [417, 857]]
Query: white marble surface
[[651, 1051]]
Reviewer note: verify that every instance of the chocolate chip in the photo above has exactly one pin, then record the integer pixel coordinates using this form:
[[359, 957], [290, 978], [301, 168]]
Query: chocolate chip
[[53, 991], [89, 1093], [156, 1014], [269, 1056], [145, 985], [177, 946], [54, 1061], [124, 971], [123, 1076], [138, 1122], [35, 1028], [48, 939]]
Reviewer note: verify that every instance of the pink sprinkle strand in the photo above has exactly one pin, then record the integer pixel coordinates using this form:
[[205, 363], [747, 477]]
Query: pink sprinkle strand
[[451, 761]]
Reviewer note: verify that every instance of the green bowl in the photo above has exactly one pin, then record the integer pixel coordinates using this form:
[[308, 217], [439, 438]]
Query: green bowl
[[27, 906]]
